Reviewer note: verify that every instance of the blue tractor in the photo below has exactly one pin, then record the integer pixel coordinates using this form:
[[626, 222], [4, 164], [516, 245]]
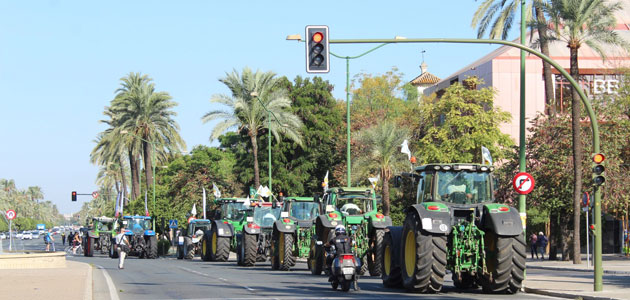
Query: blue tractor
[[141, 237]]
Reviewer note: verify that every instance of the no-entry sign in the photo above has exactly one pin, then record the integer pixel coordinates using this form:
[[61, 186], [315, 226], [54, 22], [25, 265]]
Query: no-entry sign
[[11, 214], [94, 195], [523, 183]]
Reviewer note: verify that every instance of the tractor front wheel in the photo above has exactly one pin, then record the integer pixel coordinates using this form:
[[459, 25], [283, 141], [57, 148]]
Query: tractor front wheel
[[423, 257], [249, 246], [189, 250], [315, 258], [392, 276], [505, 262], [152, 252], [204, 252], [284, 249], [220, 246], [375, 261]]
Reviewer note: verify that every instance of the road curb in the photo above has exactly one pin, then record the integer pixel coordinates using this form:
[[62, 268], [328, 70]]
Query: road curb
[[566, 295], [609, 272]]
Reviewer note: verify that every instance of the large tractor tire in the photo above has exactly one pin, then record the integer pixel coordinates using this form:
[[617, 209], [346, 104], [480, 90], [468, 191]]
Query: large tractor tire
[[275, 260], [180, 251], [189, 249], [239, 250], [89, 247], [374, 259], [204, 247], [152, 247], [284, 251], [249, 245], [392, 276], [316, 258], [423, 257], [505, 262], [219, 247]]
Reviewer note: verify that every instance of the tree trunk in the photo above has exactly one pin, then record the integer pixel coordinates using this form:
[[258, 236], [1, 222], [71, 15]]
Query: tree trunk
[[135, 176], [148, 163], [252, 137], [544, 48], [577, 157], [385, 193]]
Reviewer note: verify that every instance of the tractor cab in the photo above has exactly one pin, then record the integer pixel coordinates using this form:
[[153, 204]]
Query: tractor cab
[[454, 183], [197, 227], [264, 214], [301, 208], [137, 225]]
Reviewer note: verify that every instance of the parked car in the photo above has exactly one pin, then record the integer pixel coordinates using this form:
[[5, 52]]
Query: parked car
[[19, 235], [2, 236], [27, 236], [35, 235]]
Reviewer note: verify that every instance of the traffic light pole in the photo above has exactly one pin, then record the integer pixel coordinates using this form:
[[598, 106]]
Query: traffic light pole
[[598, 271]]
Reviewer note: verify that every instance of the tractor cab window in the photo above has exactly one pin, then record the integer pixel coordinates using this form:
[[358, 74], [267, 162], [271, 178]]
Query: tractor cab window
[[234, 211], [265, 216], [304, 210], [103, 227], [354, 205], [138, 226], [463, 187]]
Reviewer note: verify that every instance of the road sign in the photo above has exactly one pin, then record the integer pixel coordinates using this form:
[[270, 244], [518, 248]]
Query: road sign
[[41, 226], [586, 200], [11, 214], [94, 194], [523, 183], [172, 224]]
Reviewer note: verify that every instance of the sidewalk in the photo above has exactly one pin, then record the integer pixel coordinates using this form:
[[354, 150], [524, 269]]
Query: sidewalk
[[74, 282], [564, 279]]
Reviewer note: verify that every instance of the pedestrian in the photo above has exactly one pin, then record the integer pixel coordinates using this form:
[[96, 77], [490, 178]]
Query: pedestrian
[[70, 238], [76, 242], [541, 242], [48, 239], [122, 246], [63, 238], [534, 247]]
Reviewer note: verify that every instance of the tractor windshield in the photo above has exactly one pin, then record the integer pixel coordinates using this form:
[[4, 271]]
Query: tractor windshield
[[266, 216], [304, 210], [354, 204], [138, 226], [463, 187], [233, 211]]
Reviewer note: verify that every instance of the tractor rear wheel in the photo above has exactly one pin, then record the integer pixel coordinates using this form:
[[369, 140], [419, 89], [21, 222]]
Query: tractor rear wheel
[[423, 257], [189, 250], [392, 276], [152, 253], [375, 261], [505, 262], [249, 246], [315, 258]]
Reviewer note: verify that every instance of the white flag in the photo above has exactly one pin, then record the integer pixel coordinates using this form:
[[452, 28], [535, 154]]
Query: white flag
[[325, 183], [405, 149], [215, 189], [374, 180], [265, 192], [204, 202], [247, 203], [193, 211], [146, 208], [485, 156]]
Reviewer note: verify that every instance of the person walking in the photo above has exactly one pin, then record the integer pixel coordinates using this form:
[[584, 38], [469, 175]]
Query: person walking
[[541, 242], [48, 239], [63, 238], [76, 242], [533, 246], [122, 246]]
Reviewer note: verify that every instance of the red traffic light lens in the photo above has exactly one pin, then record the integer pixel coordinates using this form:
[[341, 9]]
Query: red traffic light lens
[[598, 158], [74, 193], [318, 37], [592, 227]]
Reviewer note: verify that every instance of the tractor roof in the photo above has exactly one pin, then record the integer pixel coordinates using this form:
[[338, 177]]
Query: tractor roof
[[228, 200], [136, 217], [200, 221], [300, 199], [455, 167], [352, 191]]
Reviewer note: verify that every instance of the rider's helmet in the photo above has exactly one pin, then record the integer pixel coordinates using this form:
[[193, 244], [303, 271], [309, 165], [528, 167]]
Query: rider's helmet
[[339, 230]]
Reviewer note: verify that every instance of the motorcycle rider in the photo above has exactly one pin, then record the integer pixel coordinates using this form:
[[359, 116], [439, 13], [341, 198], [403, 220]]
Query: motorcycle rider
[[342, 244]]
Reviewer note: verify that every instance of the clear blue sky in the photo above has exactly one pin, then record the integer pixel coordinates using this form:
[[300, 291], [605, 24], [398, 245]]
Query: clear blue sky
[[61, 61]]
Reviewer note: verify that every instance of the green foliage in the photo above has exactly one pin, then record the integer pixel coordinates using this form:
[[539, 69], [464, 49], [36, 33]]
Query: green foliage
[[453, 128]]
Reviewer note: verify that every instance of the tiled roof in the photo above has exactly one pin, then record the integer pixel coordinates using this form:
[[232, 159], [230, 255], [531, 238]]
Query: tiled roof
[[425, 78]]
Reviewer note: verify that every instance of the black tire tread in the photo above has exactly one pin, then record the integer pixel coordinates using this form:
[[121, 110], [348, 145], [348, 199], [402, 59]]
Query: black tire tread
[[223, 249], [189, 252], [509, 259], [430, 259], [376, 265], [249, 242], [289, 259], [394, 279], [153, 248]]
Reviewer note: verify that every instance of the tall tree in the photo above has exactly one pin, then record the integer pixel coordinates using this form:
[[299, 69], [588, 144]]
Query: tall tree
[[248, 115], [381, 155], [579, 22], [496, 17]]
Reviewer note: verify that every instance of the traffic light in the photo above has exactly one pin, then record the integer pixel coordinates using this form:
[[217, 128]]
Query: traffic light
[[74, 196], [317, 52], [591, 229], [598, 169]]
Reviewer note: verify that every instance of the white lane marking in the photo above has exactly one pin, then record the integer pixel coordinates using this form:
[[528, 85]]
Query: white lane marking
[[113, 295], [217, 278]]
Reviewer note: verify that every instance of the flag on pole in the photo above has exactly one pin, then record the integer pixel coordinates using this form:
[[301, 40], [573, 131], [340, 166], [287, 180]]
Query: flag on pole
[[193, 211], [405, 149], [325, 183], [374, 180], [146, 208], [216, 191], [247, 203], [264, 191], [485, 156], [204, 202], [122, 204], [117, 204]]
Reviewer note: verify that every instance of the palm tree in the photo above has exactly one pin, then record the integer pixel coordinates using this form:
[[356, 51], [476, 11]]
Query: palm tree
[[380, 152], [498, 16], [147, 113], [109, 153], [35, 193], [579, 22], [249, 115]]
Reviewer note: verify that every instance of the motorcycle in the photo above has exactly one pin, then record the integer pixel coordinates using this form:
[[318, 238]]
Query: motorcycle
[[343, 270]]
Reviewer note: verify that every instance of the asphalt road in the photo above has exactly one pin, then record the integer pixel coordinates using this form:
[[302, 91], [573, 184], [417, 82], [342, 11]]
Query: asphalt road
[[169, 278]]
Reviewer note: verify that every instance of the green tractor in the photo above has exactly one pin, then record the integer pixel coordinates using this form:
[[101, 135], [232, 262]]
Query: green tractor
[[98, 236], [356, 209], [254, 241], [291, 235], [455, 226], [188, 242], [227, 221]]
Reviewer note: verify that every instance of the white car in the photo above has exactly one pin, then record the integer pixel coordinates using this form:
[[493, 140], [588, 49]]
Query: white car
[[27, 236], [19, 235], [2, 236], [35, 235]]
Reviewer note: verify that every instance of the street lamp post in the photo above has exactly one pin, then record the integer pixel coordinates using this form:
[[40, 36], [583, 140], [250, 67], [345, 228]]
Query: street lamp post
[[269, 113], [154, 162]]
